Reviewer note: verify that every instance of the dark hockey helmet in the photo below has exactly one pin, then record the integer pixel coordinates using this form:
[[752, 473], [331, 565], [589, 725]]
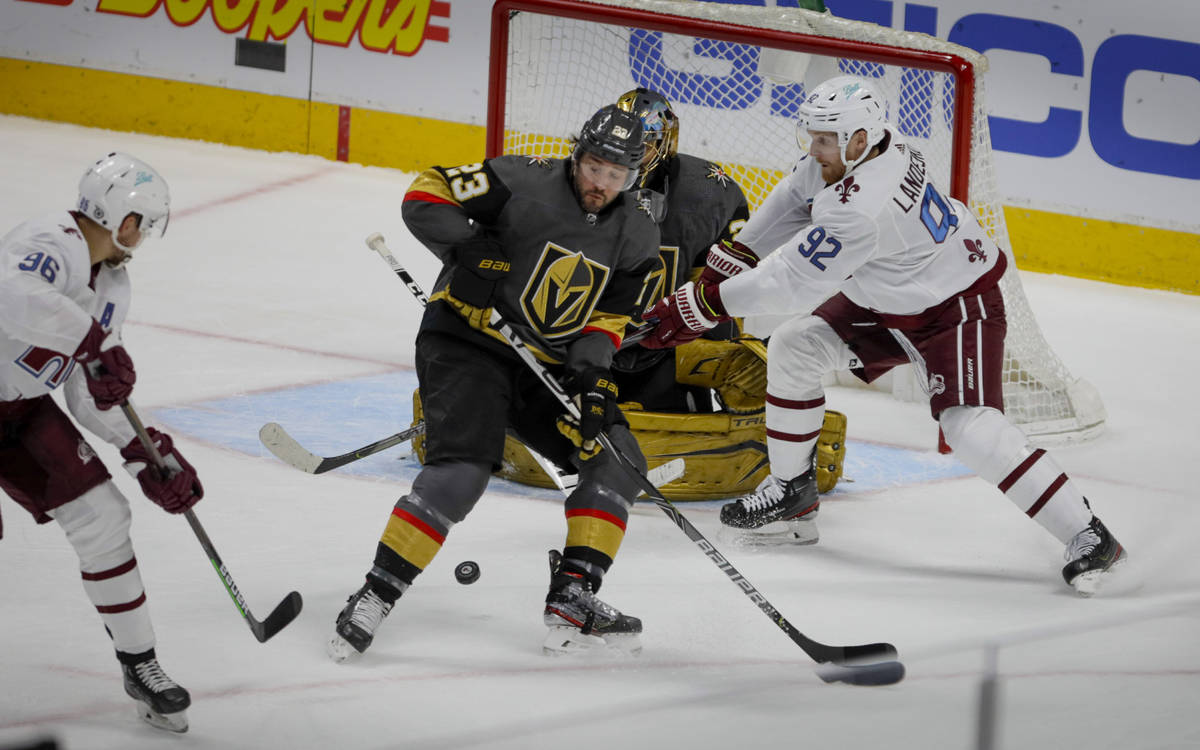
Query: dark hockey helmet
[[613, 135], [660, 126]]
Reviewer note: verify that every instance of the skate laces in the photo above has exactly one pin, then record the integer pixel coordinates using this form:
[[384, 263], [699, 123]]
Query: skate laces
[[153, 676], [369, 611], [768, 493], [1084, 543]]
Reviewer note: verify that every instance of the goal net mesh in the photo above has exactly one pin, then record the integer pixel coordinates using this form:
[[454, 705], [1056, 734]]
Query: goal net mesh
[[735, 76]]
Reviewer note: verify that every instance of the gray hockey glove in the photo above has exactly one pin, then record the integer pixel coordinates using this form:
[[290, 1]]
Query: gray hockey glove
[[482, 264]]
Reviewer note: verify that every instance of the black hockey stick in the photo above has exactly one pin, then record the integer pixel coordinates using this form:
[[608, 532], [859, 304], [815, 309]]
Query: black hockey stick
[[857, 665], [283, 613], [286, 449]]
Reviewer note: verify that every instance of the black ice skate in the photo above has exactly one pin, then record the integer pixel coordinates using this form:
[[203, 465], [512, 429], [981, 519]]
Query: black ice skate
[[777, 511], [580, 621], [1092, 553], [356, 623], [160, 701]]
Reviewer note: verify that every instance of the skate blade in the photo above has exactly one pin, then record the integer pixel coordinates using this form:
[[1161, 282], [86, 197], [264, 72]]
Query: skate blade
[[340, 650], [568, 641], [792, 533], [1090, 583], [176, 722]]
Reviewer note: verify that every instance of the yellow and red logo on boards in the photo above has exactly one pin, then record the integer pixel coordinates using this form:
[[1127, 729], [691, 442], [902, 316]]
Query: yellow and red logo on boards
[[396, 26]]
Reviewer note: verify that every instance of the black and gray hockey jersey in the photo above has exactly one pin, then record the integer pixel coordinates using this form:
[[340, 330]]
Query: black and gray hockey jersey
[[573, 272]]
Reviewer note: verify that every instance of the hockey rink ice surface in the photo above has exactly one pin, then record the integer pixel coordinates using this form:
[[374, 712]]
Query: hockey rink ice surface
[[263, 304]]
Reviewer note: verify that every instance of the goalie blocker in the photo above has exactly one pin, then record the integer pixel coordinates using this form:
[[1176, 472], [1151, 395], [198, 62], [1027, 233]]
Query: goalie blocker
[[725, 452]]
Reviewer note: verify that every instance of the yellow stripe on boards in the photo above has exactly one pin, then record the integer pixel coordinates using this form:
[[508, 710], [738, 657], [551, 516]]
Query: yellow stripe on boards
[[1105, 250]]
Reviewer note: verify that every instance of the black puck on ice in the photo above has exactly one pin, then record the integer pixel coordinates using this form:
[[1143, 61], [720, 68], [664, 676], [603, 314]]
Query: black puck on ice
[[467, 572]]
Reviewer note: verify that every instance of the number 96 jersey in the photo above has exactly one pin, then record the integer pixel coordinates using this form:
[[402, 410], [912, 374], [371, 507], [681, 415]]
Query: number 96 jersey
[[48, 299], [885, 236]]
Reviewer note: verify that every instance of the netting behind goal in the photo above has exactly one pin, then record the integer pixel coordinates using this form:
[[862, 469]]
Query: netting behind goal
[[736, 76]]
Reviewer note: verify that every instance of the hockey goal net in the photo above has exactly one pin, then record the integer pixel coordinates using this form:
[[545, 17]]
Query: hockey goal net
[[736, 76]]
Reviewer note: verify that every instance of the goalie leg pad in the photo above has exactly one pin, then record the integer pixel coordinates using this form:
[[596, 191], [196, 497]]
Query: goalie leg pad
[[831, 450]]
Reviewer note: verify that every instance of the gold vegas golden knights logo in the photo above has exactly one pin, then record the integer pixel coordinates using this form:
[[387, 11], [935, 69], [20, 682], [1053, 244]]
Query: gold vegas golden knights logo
[[562, 293], [661, 281]]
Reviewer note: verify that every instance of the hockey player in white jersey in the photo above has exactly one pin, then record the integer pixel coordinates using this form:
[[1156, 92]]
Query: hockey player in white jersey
[[64, 295], [913, 277]]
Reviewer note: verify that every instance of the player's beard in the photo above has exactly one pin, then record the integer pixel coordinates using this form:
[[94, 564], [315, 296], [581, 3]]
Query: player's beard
[[593, 201]]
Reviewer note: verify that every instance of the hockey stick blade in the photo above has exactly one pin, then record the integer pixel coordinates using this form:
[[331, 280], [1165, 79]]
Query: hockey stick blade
[[286, 449], [280, 617], [870, 675]]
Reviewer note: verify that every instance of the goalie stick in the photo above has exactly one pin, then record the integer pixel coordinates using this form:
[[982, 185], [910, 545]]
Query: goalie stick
[[867, 664], [286, 449], [283, 613]]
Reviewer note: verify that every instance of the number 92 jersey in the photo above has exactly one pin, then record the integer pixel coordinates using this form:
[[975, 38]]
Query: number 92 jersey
[[885, 236], [48, 299]]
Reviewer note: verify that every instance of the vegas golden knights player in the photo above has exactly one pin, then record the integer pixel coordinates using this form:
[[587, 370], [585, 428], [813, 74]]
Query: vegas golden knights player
[[562, 251]]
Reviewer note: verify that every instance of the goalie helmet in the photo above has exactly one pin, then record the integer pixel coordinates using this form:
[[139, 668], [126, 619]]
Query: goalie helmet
[[660, 126], [613, 135], [843, 105], [118, 185]]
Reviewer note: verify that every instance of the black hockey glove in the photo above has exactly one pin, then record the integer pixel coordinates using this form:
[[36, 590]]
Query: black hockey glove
[[595, 392], [482, 264]]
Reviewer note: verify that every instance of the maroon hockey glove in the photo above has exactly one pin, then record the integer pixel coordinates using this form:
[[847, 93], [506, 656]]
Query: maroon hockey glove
[[107, 367], [684, 316], [482, 264], [179, 490], [727, 259]]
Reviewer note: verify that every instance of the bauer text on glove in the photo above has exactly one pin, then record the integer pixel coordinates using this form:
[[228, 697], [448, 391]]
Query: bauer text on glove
[[482, 265], [595, 393]]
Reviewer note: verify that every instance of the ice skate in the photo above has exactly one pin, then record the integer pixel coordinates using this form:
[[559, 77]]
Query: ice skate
[[356, 624], [160, 701], [579, 621], [778, 512], [1092, 555]]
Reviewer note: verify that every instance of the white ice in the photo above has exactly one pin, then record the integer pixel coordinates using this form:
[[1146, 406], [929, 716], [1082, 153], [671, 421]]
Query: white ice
[[262, 302]]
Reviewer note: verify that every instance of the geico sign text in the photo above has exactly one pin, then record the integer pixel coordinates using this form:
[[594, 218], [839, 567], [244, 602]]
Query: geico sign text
[[1114, 61]]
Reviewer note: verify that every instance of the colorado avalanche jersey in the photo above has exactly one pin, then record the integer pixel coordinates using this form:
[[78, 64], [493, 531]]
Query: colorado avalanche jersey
[[48, 299], [885, 236]]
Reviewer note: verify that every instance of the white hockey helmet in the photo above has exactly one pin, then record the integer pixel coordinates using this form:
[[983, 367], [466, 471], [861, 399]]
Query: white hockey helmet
[[843, 105], [118, 185]]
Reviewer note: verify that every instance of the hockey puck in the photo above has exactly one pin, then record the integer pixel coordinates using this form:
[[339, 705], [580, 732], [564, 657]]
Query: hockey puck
[[467, 572]]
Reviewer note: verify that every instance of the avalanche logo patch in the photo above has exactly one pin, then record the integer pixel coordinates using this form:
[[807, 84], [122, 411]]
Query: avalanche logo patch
[[562, 292], [85, 452], [937, 385]]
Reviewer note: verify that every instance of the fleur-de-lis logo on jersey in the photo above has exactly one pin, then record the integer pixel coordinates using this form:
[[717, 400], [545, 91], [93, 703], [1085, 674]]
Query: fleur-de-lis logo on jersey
[[562, 292], [538, 161], [846, 187], [975, 251], [716, 172]]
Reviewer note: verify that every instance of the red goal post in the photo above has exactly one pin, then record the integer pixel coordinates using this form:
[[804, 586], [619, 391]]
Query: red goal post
[[735, 75]]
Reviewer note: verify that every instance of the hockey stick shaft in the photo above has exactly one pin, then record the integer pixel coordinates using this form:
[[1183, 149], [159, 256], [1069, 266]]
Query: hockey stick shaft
[[288, 450], [284, 612], [880, 674]]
